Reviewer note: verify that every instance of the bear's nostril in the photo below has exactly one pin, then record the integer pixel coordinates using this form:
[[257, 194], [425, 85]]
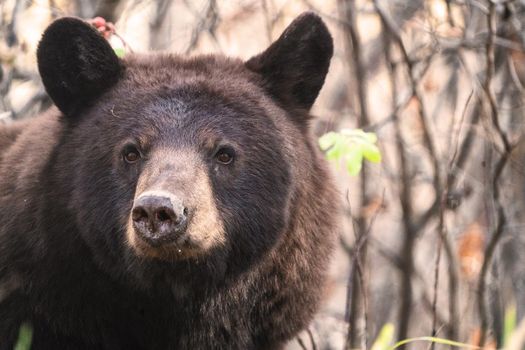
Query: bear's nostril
[[139, 214], [162, 215], [185, 212]]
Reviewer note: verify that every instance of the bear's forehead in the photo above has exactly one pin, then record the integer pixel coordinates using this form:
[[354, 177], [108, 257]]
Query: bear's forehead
[[181, 85], [182, 103], [179, 109], [154, 69], [206, 87]]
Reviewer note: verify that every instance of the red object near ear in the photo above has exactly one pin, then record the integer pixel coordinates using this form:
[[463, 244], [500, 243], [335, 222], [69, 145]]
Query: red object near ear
[[105, 28]]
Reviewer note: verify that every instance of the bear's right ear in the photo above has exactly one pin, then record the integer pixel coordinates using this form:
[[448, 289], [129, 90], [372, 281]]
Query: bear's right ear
[[294, 67], [76, 64]]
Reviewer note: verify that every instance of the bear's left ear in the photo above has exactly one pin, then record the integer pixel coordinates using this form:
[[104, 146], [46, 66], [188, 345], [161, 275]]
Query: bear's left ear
[[76, 64], [294, 67]]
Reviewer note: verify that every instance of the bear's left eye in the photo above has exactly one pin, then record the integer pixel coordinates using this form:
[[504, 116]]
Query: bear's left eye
[[131, 154], [225, 155]]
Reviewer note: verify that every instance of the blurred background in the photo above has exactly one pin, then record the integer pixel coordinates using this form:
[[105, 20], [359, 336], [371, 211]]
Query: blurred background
[[432, 239]]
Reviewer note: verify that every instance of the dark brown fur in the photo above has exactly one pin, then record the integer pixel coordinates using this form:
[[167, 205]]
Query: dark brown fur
[[66, 198], [9, 134]]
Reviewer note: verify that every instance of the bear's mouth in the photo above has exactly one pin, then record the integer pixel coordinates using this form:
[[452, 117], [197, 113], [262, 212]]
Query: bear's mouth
[[166, 249], [167, 246], [157, 240]]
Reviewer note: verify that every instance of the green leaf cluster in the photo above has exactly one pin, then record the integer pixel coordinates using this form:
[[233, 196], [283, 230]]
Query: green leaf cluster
[[351, 146]]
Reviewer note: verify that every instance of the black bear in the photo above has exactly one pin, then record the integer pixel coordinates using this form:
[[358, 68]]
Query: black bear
[[167, 202]]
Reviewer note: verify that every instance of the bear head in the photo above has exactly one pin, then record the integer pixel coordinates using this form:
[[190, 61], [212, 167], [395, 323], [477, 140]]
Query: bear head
[[183, 164]]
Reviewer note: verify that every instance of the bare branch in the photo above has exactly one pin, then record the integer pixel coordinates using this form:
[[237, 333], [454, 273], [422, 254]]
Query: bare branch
[[498, 170]]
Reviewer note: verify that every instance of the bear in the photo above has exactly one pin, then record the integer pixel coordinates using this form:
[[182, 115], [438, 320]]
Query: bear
[[167, 202]]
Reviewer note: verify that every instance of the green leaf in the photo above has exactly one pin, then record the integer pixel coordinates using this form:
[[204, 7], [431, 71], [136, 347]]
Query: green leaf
[[335, 152], [25, 337], [371, 153], [354, 161], [120, 51], [327, 140], [385, 338], [350, 147], [509, 324], [437, 341]]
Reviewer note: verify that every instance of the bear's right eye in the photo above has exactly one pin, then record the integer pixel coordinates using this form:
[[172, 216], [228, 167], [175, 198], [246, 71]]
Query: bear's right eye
[[131, 154], [225, 155]]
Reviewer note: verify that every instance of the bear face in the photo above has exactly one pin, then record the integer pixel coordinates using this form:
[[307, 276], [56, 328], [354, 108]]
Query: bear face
[[178, 132], [182, 163]]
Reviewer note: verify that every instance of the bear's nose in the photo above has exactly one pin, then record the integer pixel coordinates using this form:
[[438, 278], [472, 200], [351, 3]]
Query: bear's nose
[[159, 219]]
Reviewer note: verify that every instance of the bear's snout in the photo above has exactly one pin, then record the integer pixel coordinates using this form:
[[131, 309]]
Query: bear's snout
[[159, 218]]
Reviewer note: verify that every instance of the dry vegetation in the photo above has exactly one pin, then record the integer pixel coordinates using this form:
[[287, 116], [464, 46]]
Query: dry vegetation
[[432, 240]]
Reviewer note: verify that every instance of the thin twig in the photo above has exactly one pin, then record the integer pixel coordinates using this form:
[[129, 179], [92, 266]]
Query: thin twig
[[267, 20], [436, 279], [410, 231], [452, 204], [357, 268], [301, 343], [489, 73], [312, 340], [208, 22], [405, 195], [498, 170], [450, 18], [347, 10], [397, 262]]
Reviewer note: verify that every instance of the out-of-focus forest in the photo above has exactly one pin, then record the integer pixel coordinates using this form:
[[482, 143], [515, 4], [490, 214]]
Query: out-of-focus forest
[[432, 241]]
